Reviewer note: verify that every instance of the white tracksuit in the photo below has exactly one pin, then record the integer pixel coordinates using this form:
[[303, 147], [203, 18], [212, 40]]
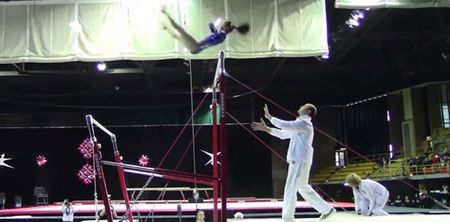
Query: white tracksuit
[[68, 213], [300, 155], [370, 196]]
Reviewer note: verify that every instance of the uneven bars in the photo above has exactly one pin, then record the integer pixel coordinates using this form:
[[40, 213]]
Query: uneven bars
[[168, 177], [220, 67], [91, 122], [165, 173]]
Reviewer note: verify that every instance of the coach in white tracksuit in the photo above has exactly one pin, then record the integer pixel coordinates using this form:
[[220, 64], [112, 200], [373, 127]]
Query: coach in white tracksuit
[[370, 196], [299, 156]]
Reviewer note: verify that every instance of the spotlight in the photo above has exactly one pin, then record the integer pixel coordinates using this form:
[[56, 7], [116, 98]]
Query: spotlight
[[355, 18], [352, 23], [101, 66], [357, 15]]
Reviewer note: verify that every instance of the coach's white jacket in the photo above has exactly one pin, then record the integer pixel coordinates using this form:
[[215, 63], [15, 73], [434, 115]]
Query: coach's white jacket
[[301, 133]]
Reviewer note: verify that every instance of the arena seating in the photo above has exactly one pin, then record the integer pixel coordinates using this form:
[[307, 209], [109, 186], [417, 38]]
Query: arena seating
[[337, 175], [369, 169]]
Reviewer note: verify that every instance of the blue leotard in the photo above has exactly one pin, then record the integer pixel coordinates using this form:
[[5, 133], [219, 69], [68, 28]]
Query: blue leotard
[[216, 37]]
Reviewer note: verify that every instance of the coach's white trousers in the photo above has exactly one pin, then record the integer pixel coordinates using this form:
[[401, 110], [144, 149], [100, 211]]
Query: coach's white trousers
[[297, 180]]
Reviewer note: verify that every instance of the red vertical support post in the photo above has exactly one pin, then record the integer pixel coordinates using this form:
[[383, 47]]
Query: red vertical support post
[[223, 145], [215, 150], [121, 175], [101, 181]]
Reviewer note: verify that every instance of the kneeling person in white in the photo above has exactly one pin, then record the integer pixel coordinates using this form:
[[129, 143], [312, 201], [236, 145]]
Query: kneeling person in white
[[370, 196]]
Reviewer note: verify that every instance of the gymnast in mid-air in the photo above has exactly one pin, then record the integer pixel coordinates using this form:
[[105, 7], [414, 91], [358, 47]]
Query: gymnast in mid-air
[[216, 37]]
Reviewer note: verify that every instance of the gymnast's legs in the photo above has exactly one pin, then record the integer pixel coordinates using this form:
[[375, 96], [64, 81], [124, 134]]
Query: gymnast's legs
[[185, 38]]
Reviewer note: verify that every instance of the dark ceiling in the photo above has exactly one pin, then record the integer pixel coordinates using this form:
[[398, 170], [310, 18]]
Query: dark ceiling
[[392, 49]]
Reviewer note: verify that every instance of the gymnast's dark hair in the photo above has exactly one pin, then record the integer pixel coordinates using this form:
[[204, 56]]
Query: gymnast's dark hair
[[243, 28]]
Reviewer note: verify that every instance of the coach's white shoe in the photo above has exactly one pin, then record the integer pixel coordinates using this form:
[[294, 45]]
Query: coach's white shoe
[[327, 215], [288, 219]]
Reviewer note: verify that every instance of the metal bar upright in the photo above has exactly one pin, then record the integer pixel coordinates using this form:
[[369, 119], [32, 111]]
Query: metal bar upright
[[215, 150], [223, 145], [99, 169]]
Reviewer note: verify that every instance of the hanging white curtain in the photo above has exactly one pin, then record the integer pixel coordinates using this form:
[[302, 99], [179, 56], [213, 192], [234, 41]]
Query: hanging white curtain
[[391, 3], [92, 30]]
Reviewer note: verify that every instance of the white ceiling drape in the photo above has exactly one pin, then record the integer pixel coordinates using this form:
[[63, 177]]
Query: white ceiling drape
[[88, 30], [391, 3]]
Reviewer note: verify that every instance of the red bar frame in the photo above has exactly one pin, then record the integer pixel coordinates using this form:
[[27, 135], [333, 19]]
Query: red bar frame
[[100, 177], [123, 186]]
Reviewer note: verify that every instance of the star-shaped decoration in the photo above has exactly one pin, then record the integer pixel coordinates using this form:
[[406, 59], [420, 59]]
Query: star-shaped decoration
[[143, 160], [41, 160], [211, 156], [3, 160]]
